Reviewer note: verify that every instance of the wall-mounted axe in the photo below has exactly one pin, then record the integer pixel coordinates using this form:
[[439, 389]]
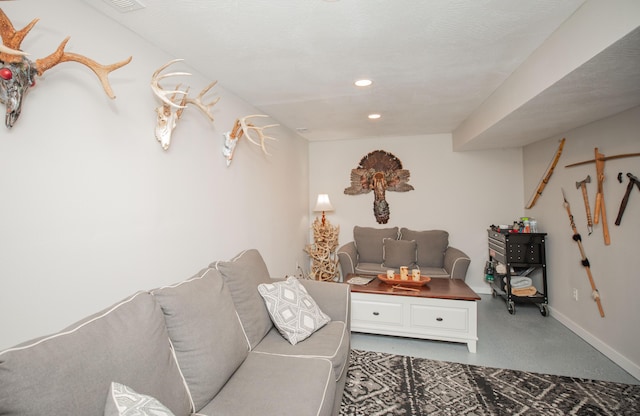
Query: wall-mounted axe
[[623, 205], [583, 186], [600, 210]]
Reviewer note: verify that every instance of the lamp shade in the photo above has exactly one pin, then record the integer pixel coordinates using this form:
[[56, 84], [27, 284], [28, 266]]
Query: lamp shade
[[323, 203]]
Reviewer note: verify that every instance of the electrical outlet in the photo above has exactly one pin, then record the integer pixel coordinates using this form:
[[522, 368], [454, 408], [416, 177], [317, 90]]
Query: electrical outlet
[[575, 294]]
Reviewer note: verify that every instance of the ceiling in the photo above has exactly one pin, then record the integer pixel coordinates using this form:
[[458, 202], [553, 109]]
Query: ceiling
[[434, 64]]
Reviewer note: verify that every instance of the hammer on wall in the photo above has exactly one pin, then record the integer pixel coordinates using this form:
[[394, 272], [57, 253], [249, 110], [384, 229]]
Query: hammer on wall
[[623, 205], [583, 186]]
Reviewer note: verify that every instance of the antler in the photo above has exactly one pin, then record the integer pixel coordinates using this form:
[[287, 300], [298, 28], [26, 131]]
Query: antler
[[102, 71], [160, 92], [197, 101], [205, 108], [247, 127], [12, 38]]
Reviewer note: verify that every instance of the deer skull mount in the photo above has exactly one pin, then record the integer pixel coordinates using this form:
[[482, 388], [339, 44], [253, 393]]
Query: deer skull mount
[[379, 171], [174, 102], [242, 127], [18, 73]]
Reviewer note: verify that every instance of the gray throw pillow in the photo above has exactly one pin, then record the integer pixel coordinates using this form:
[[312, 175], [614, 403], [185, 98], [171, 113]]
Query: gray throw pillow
[[242, 275], [431, 245], [292, 309], [369, 242], [399, 253]]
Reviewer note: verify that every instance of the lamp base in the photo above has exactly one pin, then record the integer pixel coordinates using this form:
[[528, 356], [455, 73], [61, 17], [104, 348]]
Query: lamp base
[[324, 260]]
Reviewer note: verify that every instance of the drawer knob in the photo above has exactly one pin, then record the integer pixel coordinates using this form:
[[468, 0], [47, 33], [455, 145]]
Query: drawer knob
[[376, 313], [439, 319]]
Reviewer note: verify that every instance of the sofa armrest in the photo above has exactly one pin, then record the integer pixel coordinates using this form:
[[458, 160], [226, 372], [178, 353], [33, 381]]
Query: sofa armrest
[[333, 298], [456, 263], [348, 257]]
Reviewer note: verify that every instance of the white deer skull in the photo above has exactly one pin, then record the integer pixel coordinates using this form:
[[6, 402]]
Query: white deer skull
[[170, 110], [242, 127]]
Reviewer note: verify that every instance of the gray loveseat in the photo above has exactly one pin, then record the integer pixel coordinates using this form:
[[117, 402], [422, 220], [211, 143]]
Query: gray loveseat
[[203, 346], [376, 250]]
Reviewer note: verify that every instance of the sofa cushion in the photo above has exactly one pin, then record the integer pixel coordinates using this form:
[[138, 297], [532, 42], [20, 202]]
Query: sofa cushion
[[331, 342], [69, 373], [434, 272], [124, 401], [369, 242], [399, 253], [370, 268], [431, 245], [197, 311], [275, 385], [242, 275], [292, 309]]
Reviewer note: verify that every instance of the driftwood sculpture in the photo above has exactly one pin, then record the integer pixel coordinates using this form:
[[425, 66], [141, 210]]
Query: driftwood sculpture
[[379, 171], [324, 260], [18, 73]]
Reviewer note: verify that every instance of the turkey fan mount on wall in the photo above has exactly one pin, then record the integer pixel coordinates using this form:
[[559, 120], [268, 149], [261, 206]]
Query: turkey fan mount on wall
[[379, 171]]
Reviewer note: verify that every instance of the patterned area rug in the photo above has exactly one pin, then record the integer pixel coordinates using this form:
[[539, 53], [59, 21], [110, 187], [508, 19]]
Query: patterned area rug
[[387, 384]]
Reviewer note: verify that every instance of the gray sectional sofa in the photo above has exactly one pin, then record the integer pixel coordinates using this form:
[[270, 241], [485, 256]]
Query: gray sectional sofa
[[204, 346], [376, 250]]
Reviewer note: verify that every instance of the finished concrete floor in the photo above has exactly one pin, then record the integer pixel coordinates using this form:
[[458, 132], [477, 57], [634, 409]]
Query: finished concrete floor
[[524, 341]]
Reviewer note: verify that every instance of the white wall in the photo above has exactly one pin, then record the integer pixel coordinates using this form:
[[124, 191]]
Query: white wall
[[93, 209], [462, 193], [616, 267]]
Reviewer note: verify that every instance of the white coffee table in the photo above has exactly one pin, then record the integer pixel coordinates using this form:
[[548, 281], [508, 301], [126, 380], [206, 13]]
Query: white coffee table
[[444, 310]]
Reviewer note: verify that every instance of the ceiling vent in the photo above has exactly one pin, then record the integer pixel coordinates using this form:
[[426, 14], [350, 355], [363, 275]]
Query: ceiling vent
[[125, 5]]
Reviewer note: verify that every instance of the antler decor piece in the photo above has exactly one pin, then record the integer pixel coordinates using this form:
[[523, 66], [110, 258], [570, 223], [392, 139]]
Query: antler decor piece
[[379, 171], [242, 127], [174, 102], [18, 73]]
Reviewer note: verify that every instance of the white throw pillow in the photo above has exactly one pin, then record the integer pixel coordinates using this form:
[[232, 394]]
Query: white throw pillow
[[292, 309], [124, 401]]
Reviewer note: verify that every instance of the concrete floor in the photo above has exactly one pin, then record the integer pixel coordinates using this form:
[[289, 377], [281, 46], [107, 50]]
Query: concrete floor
[[524, 341]]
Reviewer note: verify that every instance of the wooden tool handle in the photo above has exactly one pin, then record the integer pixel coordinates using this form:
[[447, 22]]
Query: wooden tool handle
[[596, 218], [586, 205], [605, 227]]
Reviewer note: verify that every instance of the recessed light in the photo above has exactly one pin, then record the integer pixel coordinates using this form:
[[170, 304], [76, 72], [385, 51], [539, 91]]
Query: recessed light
[[374, 116], [363, 82]]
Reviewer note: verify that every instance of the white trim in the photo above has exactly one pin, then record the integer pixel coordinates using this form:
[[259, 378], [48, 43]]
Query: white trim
[[208, 269], [626, 364]]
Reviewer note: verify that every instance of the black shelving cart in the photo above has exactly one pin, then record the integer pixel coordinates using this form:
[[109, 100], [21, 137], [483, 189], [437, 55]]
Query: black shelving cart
[[521, 253]]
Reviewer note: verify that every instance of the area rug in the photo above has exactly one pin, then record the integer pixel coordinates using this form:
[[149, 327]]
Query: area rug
[[387, 384]]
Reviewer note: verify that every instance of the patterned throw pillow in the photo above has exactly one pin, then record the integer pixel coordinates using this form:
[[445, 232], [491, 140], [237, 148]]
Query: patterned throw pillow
[[124, 401], [292, 309]]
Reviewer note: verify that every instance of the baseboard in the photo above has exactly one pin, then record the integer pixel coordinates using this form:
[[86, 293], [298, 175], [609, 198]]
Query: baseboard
[[596, 343]]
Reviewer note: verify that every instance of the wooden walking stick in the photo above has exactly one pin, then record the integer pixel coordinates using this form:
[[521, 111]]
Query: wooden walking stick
[[546, 176], [585, 262]]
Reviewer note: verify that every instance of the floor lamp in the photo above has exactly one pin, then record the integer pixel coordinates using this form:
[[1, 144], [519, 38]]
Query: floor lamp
[[324, 260]]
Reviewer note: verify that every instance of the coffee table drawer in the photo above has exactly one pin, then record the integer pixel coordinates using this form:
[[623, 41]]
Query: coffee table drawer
[[376, 312], [436, 317]]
